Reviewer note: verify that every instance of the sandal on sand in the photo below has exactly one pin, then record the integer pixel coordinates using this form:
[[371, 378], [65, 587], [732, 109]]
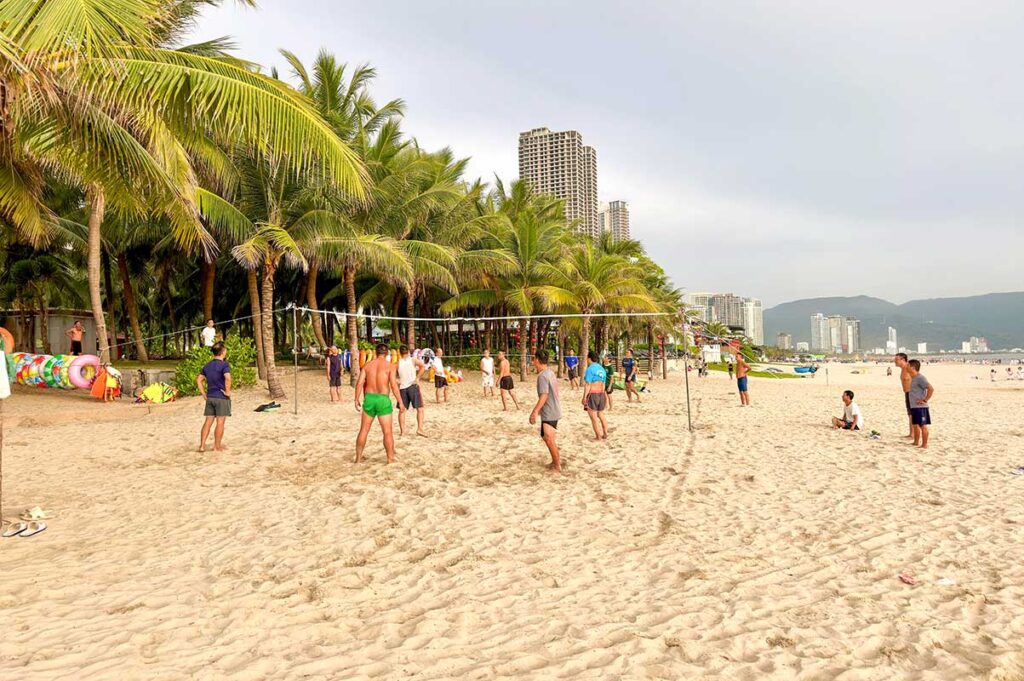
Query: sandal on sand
[[35, 513], [15, 529], [1019, 470], [33, 528]]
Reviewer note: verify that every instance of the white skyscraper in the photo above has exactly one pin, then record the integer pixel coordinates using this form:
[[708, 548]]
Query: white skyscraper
[[753, 320], [559, 164], [892, 345], [851, 339], [820, 337]]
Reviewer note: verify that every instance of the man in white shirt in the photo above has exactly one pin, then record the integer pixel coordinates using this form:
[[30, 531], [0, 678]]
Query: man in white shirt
[[852, 419], [487, 371], [409, 370], [440, 379], [209, 334]]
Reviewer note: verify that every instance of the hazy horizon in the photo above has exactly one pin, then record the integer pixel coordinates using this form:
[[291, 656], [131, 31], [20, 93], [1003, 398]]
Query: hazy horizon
[[782, 151]]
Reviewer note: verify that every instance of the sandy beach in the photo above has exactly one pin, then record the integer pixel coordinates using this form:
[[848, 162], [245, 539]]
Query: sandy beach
[[761, 546]]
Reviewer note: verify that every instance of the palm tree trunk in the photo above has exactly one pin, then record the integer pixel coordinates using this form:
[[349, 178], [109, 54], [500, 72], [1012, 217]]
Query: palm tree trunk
[[410, 312], [108, 285], [318, 329], [524, 338], [44, 325], [351, 322], [208, 277], [97, 204], [257, 322], [267, 313], [132, 307], [560, 335], [585, 336], [650, 349]]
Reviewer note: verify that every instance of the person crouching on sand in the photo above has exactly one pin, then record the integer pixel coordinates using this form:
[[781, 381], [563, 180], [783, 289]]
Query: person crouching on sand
[[547, 408], [852, 419], [377, 380], [214, 381]]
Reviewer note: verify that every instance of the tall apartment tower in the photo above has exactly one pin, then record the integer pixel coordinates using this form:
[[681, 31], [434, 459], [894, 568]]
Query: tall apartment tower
[[753, 320], [820, 336], [617, 220], [784, 341], [559, 164]]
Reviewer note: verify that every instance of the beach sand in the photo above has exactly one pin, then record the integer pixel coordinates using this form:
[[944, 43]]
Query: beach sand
[[761, 546]]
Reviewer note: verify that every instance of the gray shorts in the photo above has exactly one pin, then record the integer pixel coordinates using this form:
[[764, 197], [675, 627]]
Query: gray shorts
[[596, 402], [218, 407]]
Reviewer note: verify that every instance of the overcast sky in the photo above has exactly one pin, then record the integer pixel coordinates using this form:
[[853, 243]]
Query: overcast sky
[[781, 150]]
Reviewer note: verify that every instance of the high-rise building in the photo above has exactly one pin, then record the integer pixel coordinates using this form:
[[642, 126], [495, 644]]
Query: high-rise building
[[891, 345], [965, 346], [784, 341], [803, 346], [978, 344], [836, 331], [701, 303], [753, 320], [922, 348], [728, 309], [820, 338], [851, 339], [559, 164], [604, 219], [618, 220]]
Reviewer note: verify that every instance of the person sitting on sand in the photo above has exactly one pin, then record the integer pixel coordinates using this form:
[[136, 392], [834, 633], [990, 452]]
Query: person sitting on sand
[[572, 366], [214, 381], [377, 380], [547, 408], [409, 371], [852, 419], [595, 399], [333, 365], [487, 373], [505, 383]]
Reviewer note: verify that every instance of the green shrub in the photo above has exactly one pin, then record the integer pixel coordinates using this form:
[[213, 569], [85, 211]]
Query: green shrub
[[241, 356]]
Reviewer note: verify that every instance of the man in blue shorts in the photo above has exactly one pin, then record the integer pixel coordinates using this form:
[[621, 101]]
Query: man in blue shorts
[[742, 368], [921, 392]]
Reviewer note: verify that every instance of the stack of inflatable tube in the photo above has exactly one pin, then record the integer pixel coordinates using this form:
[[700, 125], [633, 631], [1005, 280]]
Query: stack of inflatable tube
[[55, 371]]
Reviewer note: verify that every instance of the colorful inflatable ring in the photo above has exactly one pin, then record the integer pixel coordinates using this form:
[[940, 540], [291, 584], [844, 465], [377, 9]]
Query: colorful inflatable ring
[[51, 380], [8, 339], [82, 371]]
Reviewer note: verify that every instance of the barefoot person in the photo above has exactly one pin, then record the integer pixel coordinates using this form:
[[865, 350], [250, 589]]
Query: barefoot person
[[629, 370], [742, 369], [594, 397], [505, 382], [572, 366], [440, 380], [209, 334], [852, 419], [333, 366], [921, 392], [409, 371], [214, 381], [75, 333], [609, 380], [376, 382], [547, 408], [900, 360], [487, 373]]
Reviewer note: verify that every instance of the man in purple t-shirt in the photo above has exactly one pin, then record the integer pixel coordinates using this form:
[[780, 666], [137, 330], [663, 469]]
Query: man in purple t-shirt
[[214, 381]]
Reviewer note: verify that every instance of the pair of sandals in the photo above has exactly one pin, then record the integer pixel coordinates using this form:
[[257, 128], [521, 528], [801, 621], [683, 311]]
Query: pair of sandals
[[23, 529]]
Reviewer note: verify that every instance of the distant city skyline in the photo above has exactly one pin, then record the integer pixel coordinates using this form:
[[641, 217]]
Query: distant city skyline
[[804, 140]]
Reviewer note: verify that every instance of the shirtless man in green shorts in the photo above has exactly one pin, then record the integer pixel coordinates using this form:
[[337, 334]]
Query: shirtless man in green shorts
[[377, 380]]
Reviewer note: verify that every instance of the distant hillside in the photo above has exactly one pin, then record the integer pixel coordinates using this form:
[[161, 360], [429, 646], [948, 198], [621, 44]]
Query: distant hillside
[[941, 322]]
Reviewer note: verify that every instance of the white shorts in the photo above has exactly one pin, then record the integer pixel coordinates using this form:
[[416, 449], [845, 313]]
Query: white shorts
[[487, 381]]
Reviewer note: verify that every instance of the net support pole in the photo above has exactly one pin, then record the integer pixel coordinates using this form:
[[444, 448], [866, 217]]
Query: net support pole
[[686, 376], [295, 356]]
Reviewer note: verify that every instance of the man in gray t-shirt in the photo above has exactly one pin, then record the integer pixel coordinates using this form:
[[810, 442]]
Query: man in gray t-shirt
[[919, 395], [547, 407]]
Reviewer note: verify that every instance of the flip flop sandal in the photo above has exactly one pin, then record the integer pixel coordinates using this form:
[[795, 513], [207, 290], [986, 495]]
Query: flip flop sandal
[[1019, 470], [15, 529], [33, 528]]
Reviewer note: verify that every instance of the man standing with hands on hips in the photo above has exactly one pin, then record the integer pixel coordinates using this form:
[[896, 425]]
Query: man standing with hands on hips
[[214, 381]]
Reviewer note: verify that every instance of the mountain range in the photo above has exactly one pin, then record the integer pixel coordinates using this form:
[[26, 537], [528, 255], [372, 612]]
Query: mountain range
[[943, 323]]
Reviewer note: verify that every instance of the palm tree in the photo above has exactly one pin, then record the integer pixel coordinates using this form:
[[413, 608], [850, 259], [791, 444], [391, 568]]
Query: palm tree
[[533, 236], [89, 91]]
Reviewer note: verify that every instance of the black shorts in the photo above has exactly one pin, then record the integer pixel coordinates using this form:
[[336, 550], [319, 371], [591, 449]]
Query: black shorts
[[920, 416], [573, 373], [848, 425], [411, 397], [440, 382], [608, 389], [76, 347], [553, 424], [906, 398], [506, 383], [334, 381]]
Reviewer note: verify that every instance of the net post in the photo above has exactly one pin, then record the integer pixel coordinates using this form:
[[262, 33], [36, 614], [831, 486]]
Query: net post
[[295, 356], [686, 374]]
